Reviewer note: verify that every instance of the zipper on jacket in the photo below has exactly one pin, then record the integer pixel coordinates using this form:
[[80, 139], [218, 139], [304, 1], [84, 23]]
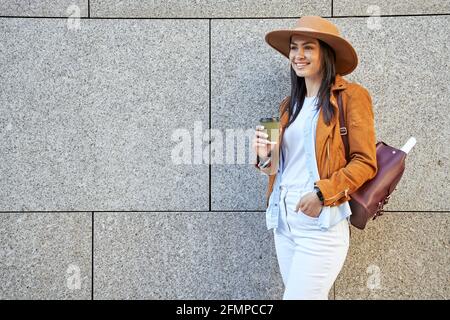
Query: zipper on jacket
[[328, 158], [345, 192]]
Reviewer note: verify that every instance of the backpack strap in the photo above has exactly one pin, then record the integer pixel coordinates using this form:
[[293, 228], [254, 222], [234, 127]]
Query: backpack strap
[[343, 128]]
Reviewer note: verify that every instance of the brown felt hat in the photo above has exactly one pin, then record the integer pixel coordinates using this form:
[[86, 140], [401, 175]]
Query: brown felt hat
[[322, 29]]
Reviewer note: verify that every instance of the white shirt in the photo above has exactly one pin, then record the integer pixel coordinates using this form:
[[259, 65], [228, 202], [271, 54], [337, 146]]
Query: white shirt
[[295, 171]]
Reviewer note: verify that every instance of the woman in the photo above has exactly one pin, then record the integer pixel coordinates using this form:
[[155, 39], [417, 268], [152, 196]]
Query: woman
[[310, 181]]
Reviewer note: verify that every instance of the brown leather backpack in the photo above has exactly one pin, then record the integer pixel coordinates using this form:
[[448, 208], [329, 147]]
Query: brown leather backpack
[[368, 201]]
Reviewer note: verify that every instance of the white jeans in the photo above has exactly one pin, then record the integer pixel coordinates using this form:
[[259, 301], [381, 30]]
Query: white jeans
[[309, 259]]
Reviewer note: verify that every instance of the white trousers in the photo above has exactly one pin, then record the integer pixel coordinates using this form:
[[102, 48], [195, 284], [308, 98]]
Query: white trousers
[[309, 259]]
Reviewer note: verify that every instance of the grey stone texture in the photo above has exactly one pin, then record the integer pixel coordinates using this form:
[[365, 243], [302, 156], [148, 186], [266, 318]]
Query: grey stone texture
[[247, 80], [184, 255], [93, 111], [208, 8], [88, 116], [44, 8], [45, 256], [387, 7], [399, 256]]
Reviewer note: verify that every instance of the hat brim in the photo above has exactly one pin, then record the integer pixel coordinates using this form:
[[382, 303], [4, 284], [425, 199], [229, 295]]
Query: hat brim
[[346, 57]]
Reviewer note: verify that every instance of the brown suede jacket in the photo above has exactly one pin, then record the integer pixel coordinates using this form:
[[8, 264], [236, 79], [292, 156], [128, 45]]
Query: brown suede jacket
[[338, 179]]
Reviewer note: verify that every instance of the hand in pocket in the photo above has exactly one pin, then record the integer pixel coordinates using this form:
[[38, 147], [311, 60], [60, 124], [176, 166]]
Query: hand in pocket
[[310, 205]]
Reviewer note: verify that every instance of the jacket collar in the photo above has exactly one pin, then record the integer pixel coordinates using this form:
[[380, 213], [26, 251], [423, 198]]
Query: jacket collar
[[323, 130], [339, 83]]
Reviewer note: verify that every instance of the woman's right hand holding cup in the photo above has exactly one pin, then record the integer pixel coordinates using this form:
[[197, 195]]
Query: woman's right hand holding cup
[[261, 146]]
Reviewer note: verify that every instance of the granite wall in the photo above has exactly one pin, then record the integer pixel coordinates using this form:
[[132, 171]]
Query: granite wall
[[96, 97]]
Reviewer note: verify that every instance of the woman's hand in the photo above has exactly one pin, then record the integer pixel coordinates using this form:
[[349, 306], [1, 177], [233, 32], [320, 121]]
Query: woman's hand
[[261, 146], [310, 205]]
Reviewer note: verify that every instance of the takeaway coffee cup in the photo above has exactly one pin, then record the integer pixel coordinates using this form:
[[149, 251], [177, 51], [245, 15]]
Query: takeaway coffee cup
[[271, 128]]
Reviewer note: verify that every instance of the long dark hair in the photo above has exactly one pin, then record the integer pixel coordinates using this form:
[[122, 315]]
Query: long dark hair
[[298, 86]]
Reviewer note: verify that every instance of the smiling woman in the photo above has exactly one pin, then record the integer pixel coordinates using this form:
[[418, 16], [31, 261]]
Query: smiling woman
[[308, 57], [304, 51], [309, 178]]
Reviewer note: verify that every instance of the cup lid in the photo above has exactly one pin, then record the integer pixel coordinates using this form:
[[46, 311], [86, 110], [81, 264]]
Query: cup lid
[[272, 119]]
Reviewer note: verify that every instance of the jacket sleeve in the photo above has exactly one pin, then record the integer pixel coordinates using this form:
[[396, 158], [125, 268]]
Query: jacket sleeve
[[275, 156], [361, 139]]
